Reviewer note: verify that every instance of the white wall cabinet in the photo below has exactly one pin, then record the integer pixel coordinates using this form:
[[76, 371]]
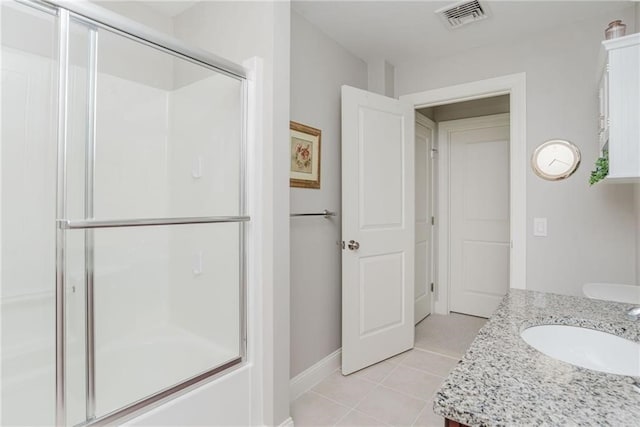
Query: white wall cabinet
[[620, 108]]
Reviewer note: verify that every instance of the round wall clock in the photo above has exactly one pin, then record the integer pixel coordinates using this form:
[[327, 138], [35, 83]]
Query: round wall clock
[[555, 159]]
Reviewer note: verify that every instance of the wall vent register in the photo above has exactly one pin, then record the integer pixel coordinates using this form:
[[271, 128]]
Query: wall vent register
[[462, 13]]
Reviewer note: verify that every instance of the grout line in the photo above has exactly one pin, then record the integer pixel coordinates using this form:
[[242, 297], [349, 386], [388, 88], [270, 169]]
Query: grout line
[[365, 380], [439, 354], [404, 393], [342, 403], [372, 417], [424, 371], [364, 396], [395, 366], [415, 420], [344, 416], [424, 402], [375, 385], [330, 399], [373, 388]]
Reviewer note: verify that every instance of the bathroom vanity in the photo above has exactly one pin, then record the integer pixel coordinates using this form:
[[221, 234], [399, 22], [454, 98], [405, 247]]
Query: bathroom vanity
[[502, 380]]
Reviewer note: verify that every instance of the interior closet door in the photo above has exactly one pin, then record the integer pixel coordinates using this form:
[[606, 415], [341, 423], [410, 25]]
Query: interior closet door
[[424, 129], [478, 197], [377, 228]]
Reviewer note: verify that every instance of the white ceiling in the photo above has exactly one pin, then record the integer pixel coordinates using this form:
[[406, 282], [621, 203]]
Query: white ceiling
[[400, 31]]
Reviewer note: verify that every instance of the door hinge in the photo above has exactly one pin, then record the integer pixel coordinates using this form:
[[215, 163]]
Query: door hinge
[[432, 287], [434, 151], [341, 243], [433, 220]]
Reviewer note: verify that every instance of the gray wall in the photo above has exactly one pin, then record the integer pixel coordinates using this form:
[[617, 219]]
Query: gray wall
[[592, 230], [637, 29], [637, 213], [319, 66]]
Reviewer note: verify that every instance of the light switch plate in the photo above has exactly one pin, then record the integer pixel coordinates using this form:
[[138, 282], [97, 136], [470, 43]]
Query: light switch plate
[[540, 227]]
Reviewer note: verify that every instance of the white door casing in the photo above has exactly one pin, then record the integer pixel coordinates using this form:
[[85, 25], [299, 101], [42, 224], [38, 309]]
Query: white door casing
[[474, 157], [515, 86], [378, 216], [424, 135]]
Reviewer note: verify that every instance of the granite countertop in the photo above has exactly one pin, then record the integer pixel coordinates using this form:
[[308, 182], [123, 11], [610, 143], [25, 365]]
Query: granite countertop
[[502, 381]]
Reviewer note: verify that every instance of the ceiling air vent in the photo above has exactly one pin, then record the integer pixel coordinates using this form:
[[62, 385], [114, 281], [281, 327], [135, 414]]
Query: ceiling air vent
[[461, 13]]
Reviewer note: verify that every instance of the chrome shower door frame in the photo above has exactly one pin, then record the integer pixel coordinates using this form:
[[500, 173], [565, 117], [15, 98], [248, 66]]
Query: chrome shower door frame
[[61, 212], [94, 18]]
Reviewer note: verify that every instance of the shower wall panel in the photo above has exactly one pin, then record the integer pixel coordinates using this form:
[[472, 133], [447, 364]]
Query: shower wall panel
[[205, 124]]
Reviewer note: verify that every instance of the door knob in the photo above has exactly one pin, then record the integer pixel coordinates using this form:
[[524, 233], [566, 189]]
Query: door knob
[[353, 245]]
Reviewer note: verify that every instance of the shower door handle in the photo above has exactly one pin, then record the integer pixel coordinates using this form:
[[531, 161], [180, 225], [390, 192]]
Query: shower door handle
[[353, 245]]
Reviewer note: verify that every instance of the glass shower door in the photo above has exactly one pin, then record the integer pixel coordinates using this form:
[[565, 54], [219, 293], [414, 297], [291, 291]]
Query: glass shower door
[[27, 186], [153, 221]]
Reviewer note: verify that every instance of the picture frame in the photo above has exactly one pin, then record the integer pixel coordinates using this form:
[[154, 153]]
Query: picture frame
[[304, 153]]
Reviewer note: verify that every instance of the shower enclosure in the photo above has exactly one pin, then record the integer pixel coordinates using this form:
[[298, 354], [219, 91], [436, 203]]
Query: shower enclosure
[[123, 215]]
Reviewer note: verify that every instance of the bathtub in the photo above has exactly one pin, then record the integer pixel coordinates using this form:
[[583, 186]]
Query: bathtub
[[150, 362], [126, 370]]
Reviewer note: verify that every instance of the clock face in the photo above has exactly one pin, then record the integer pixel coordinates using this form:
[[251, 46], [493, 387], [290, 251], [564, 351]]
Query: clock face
[[556, 159]]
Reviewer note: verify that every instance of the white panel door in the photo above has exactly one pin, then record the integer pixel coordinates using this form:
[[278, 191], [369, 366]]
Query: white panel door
[[424, 130], [478, 212], [377, 227]]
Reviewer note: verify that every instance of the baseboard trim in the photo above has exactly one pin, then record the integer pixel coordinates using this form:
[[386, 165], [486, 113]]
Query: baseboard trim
[[307, 379], [287, 423]]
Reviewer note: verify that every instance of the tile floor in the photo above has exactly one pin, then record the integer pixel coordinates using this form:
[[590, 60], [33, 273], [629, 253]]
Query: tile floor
[[397, 391]]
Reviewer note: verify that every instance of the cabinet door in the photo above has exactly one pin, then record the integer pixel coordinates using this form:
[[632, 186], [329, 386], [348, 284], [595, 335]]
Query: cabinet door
[[623, 93], [603, 94]]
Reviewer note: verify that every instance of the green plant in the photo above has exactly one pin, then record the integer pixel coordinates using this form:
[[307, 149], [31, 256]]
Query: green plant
[[602, 168]]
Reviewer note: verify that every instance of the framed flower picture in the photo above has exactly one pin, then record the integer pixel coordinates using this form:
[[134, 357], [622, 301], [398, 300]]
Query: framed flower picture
[[305, 156]]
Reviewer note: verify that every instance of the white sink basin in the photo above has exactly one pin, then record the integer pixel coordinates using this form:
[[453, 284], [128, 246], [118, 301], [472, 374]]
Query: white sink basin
[[586, 348], [612, 292]]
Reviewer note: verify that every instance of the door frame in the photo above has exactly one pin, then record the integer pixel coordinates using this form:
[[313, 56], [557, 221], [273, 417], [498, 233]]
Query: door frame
[[433, 203], [513, 85]]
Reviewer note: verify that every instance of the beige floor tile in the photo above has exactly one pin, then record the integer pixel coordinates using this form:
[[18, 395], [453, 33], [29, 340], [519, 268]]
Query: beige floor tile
[[377, 372], [311, 409], [450, 334], [391, 406], [357, 418], [428, 418], [398, 357], [414, 373], [347, 390], [433, 363], [411, 381]]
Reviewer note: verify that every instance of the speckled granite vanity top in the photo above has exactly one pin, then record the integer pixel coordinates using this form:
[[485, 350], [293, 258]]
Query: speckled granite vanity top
[[502, 381]]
